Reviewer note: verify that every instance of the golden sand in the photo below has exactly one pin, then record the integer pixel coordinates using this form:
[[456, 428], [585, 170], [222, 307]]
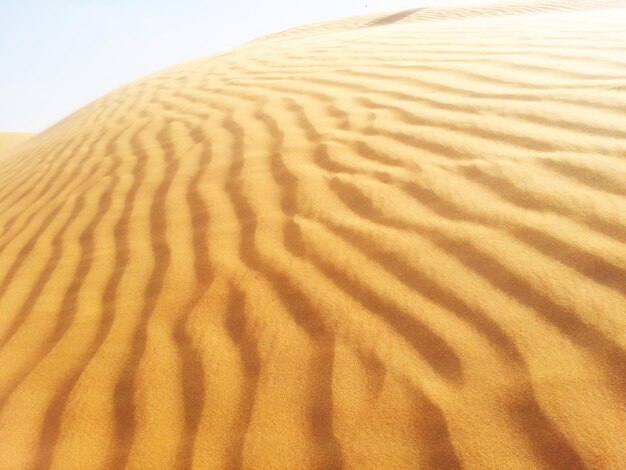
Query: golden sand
[[9, 140], [384, 242]]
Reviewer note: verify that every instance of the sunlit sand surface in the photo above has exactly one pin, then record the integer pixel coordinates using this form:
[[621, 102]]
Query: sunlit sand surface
[[387, 242], [11, 139]]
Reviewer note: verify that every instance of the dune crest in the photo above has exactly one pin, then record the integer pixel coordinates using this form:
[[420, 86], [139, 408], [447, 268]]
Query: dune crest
[[392, 241]]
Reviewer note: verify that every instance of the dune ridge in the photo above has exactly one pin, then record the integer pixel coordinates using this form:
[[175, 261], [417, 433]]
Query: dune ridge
[[389, 241]]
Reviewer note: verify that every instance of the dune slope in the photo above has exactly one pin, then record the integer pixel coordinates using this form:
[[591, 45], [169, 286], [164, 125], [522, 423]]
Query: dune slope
[[390, 241], [9, 140]]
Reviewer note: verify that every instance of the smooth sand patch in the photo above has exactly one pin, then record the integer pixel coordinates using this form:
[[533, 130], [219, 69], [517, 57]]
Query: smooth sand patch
[[11, 139]]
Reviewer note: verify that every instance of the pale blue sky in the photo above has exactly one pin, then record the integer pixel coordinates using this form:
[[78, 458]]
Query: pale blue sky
[[58, 55]]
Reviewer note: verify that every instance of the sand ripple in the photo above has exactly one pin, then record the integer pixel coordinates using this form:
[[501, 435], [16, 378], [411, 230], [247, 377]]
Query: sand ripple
[[390, 241]]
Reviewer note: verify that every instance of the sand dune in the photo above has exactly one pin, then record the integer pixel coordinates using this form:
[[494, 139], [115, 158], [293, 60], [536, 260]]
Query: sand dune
[[9, 140], [391, 241]]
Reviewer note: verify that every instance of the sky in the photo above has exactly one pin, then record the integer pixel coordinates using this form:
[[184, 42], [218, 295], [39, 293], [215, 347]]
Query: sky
[[59, 55]]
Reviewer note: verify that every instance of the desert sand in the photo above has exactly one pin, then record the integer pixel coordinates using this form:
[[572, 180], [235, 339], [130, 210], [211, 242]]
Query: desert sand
[[385, 242], [12, 139]]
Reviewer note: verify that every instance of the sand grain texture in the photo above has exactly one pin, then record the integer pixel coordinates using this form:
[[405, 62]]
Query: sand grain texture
[[384, 242]]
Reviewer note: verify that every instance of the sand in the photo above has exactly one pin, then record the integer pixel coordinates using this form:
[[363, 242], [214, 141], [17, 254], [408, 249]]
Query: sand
[[9, 140], [387, 242]]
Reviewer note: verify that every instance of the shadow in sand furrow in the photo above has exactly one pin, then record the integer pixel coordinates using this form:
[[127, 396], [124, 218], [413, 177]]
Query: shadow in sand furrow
[[124, 395], [342, 116], [190, 101], [32, 183], [362, 149], [289, 90], [182, 103], [198, 136], [585, 262], [432, 437], [194, 111], [321, 403], [63, 186], [40, 284], [52, 157], [192, 370], [506, 189], [192, 381], [22, 257], [611, 357], [436, 442], [291, 233], [548, 443], [239, 331], [46, 157], [359, 203], [560, 122], [426, 343], [410, 118], [320, 153], [14, 182], [179, 113], [248, 250], [288, 184], [377, 370], [296, 302], [513, 97], [390, 19], [19, 163], [150, 98], [321, 157], [61, 177], [52, 422], [471, 130], [67, 312], [419, 141], [424, 285], [199, 213], [23, 254], [343, 85], [284, 178], [541, 433], [311, 133], [426, 143], [590, 177]]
